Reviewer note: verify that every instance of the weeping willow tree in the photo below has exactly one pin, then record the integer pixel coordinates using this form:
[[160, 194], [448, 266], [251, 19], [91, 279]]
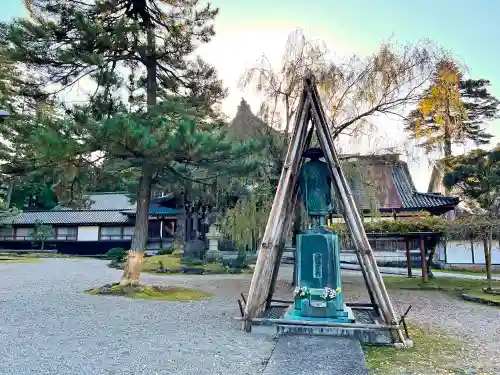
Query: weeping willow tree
[[245, 222]]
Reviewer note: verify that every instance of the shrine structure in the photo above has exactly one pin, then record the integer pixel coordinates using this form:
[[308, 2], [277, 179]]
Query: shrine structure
[[318, 306]]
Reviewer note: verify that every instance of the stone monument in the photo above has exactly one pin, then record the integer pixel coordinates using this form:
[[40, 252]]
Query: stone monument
[[213, 236], [318, 296], [194, 249]]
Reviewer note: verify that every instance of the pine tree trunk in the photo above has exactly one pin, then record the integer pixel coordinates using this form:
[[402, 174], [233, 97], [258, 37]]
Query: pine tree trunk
[[132, 271], [9, 195]]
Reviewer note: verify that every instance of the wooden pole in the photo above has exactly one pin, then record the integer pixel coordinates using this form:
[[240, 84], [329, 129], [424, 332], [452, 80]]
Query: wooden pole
[[472, 251], [354, 225], [351, 215], [423, 262], [325, 324], [290, 211], [408, 257], [269, 249]]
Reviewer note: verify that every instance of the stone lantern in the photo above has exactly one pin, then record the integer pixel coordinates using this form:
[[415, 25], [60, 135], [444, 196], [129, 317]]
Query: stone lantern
[[213, 237]]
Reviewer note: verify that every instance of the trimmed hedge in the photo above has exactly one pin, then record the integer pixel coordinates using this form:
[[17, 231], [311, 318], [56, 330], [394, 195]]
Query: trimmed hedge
[[458, 229]]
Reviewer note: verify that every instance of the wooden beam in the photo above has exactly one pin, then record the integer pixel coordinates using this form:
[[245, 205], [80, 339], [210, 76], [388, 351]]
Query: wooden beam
[[408, 257], [289, 219], [423, 262], [269, 249], [351, 215], [265, 273], [325, 324], [348, 206]]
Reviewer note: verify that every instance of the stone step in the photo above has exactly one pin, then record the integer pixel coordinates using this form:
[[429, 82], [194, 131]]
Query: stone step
[[368, 336], [316, 355]]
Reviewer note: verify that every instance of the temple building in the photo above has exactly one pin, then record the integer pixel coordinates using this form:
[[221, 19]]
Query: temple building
[[107, 222], [380, 184]]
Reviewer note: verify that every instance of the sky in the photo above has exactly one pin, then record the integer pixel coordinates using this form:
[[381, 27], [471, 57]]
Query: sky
[[247, 29]]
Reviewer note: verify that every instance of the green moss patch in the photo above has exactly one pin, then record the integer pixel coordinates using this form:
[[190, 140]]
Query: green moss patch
[[19, 260], [432, 350], [151, 292], [482, 297]]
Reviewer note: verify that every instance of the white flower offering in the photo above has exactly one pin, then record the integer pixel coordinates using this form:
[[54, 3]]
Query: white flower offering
[[330, 294], [301, 293]]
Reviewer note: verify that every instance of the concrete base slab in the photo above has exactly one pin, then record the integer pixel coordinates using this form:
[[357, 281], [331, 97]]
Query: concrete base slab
[[318, 355], [367, 336]]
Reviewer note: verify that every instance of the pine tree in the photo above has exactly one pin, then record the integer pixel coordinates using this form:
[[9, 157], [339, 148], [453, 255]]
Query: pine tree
[[476, 175], [452, 111], [152, 42]]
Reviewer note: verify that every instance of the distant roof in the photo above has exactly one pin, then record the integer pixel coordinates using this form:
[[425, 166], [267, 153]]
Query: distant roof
[[67, 217], [105, 208], [117, 201], [387, 180], [245, 125]]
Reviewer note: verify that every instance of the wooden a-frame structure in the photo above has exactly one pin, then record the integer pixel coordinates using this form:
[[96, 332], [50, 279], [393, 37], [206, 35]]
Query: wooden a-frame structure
[[310, 115]]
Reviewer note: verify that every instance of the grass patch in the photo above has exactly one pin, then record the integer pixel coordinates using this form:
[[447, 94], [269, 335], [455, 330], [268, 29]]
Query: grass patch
[[151, 264], [460, 271], [173, 263], [433, 351], [451, 285], [489, 297], [151, 292], [19, 260]]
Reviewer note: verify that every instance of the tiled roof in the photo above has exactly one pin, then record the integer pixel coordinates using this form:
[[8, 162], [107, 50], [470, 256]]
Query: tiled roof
[[389, 181], [105, 208], [67, 217], [106, 201], [412, 199], [156, 211]]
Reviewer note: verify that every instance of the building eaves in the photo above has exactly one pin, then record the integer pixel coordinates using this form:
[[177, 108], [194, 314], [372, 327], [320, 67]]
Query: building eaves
[[85, 217], [105, 201], [412, 199]]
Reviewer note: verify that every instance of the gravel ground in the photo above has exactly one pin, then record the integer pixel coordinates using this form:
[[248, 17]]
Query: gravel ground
[[478, 326], [51, 327]]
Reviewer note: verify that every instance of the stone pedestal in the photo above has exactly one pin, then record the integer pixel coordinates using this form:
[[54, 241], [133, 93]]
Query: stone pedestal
[[213, 236], [318, 267]]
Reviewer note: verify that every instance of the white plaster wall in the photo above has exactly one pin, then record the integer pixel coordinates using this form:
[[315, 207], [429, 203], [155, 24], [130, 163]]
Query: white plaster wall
[[366, 219], [460, 252], [87, 233]]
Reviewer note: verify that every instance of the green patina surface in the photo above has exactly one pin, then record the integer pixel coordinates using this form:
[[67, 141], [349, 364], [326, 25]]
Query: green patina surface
[[318, 261]]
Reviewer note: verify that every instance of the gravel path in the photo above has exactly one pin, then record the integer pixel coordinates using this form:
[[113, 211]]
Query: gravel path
[[51, 327], [478, 326]]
